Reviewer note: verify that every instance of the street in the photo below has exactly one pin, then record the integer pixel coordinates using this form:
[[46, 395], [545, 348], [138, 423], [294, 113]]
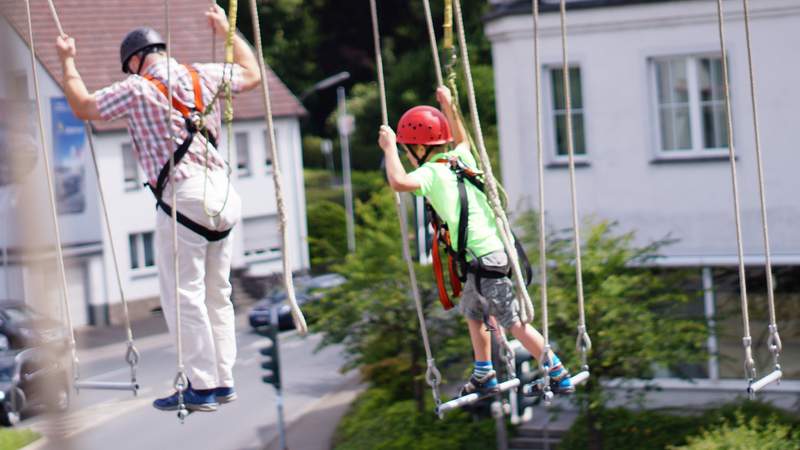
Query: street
[[118, 420]]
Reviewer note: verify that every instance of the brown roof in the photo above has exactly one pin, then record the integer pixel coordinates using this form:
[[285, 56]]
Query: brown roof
[[99, 26]]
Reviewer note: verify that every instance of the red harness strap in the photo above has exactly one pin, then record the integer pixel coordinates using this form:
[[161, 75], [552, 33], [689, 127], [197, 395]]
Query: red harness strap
[[441, 235]]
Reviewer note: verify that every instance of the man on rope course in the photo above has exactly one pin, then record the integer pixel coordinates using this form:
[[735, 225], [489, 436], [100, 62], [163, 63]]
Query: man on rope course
[[200, 181], [454, 189]]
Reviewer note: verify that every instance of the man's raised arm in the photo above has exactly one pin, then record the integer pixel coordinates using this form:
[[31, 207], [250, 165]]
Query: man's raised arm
[[82, 102]]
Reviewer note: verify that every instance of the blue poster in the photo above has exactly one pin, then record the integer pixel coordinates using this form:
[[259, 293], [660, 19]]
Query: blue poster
[[69, 148]]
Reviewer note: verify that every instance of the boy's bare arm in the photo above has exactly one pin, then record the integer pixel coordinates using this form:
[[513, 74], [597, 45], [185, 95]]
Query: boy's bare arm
[[395, 172], [445, 99], [83, 103]]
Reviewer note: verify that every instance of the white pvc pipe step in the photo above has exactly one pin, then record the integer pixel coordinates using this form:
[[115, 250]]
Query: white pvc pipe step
[[473, 398], [765, 381], [107, 386]]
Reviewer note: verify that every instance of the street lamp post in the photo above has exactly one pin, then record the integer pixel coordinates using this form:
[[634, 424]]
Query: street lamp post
[[346, 126]]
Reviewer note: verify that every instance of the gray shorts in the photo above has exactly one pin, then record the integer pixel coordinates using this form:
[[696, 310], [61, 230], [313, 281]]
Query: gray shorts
[[498, 297]]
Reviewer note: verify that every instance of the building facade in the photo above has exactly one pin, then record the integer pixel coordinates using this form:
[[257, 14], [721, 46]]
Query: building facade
[[30, 272], [651, 142]]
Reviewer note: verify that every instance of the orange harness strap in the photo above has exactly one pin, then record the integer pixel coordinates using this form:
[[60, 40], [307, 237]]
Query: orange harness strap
[[177, 104]]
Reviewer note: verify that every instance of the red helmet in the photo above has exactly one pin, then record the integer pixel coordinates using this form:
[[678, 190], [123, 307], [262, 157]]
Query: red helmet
[[424, 125]]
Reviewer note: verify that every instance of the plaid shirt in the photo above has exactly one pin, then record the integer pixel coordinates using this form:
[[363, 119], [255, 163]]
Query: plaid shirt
[[145, 108]]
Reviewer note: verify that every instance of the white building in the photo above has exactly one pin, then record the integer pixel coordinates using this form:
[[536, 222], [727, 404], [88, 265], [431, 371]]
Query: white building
[[651, 139], [31, 273]]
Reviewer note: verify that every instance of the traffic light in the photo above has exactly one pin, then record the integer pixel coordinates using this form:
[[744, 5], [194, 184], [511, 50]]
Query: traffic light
[[271, 362], [521, 406]]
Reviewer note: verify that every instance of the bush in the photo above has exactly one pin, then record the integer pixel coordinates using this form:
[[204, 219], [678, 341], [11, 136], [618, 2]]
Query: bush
[[745, 434], [622, 429], [378, 420], [11, 439]]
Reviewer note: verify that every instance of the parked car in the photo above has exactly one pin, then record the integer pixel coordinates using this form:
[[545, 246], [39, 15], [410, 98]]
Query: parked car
[[31, 381], [26, 328], [308, 290], [261, 313]]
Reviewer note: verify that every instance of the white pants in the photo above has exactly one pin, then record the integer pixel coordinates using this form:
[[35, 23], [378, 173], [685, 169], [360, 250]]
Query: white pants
[[207, 318]]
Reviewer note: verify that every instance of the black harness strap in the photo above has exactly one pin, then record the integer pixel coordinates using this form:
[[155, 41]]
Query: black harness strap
[[163, 177], [476, 267]]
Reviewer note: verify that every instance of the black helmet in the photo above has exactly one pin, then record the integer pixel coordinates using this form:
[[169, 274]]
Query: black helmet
[[135, 41]]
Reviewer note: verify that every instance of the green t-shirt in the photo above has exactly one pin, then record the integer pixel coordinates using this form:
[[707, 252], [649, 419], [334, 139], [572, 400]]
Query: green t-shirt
[[439, 185]]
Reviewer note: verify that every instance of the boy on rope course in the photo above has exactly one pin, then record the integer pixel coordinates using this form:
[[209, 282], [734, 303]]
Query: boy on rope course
[[204, 251], [454, 190]]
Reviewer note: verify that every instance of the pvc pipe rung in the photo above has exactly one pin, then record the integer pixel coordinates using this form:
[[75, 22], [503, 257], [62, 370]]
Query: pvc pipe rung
[[107, 385], [579, 378], [765, 381], [473, 398]]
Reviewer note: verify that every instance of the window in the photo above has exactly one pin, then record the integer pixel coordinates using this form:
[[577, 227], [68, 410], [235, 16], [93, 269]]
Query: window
[[130, 169], [691, 105], [560, 111], [268, 149], [243, 154], [141, 249], [19, 86], [261, 235]]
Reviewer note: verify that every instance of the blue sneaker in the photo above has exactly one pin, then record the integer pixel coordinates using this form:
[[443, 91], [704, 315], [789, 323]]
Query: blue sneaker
[[192, 399], [483, 386], [225, 395]]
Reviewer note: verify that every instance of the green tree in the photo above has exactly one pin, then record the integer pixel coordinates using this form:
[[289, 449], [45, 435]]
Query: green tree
[[636, 315], [374, 316]]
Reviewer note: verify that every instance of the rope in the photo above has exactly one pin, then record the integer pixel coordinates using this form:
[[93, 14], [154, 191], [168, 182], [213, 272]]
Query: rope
[[774, 342], [747, 340], [432, 375], [297, 314], [437, 65], [227, 117], [52, 199], [583, 343], [542, 230], [132, 354], [526, 307], [181, 381]]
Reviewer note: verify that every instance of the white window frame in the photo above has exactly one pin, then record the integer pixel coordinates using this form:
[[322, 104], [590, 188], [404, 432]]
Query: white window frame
[[135, 184], [261, 255], [549, 113], [698, 149], [243, 172], [138, 242]]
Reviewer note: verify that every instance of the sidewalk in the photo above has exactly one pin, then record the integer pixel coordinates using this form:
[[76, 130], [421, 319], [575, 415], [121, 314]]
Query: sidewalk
[[93, 337], [315, 428]]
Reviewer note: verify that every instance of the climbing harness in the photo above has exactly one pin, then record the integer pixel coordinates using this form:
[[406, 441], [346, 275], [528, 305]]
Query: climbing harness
[[194, 120], [432, 375], [277, 177], [132, 355], [774, 343], [458, 262]]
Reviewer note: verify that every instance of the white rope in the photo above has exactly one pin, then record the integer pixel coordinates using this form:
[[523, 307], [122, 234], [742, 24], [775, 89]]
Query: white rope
[[297, 314], [747, 340], [52, 198], [437, 65], [526, 307], [432, 374], [132, 355], [181, 381], [543, 310], [583, 343], [774, 342]]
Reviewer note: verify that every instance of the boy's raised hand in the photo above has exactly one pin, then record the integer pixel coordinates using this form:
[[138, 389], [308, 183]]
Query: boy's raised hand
[[387, 139], [444, 96]]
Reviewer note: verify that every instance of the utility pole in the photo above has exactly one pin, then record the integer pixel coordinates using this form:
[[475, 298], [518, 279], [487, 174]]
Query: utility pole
[[326, 147], [346, 126]]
